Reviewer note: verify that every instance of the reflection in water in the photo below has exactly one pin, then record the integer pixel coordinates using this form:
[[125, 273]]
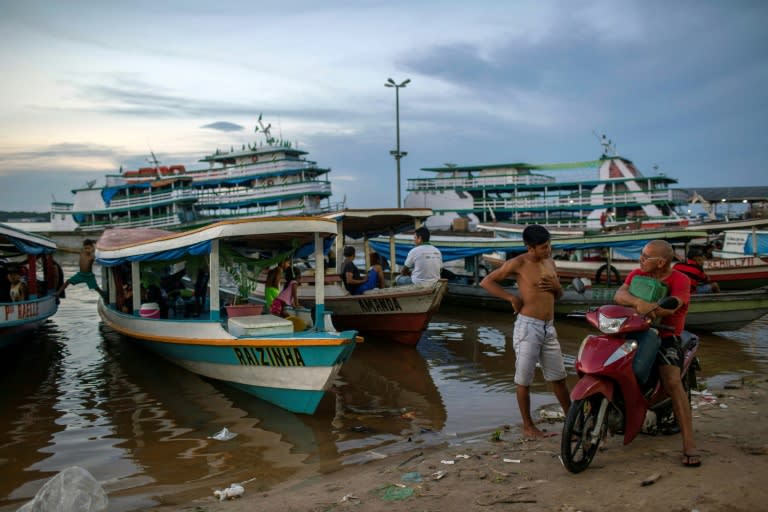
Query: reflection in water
[[81, 394]]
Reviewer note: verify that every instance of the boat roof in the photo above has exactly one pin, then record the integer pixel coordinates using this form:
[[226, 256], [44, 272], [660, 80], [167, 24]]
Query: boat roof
[[261, 150], [521, 166], [729, 225], [14, 242], [117, 246], [370, 222]]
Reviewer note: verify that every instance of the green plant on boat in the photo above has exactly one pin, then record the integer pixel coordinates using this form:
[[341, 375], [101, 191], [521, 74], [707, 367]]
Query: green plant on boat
[[244, 276]]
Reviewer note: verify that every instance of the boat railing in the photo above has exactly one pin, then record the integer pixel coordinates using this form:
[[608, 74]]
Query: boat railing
[[153, 199], [251, 169], [418, 184], [608, 200], [61, 208], [216, 196], [154, 221]]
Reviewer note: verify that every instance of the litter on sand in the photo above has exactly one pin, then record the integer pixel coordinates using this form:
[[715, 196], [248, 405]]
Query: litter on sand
[[223, 435], [514, 461], [230, 493], [448, 462]]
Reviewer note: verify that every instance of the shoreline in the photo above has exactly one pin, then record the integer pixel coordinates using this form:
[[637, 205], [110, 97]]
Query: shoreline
[[480, 473]]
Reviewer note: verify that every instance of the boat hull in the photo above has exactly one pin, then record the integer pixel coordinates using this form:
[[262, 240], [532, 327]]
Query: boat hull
[[291, 370], [710, 312], [725, 311], [398, 314], [18, 320]]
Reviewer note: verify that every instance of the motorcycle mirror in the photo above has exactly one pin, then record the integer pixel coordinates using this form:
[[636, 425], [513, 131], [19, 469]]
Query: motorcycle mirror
[[578, 285], [669, 303]]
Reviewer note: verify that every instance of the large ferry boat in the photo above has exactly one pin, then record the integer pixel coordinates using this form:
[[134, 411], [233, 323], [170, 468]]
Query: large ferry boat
[[608, 192], [271, 178]]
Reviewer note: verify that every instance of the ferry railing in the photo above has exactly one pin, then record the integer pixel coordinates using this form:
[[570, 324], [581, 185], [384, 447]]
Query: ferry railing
[[217, 196], [604, 200], [152, 199], [418, 184], [156, 221], [255, 169]]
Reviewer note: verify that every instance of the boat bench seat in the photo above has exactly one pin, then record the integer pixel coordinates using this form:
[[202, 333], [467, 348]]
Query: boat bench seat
[[258, 325]]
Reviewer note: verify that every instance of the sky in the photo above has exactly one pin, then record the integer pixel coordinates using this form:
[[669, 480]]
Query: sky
[[680, 87]]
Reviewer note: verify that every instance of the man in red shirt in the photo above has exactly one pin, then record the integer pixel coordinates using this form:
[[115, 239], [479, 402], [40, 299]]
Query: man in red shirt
[[694, 269], [655, 261]]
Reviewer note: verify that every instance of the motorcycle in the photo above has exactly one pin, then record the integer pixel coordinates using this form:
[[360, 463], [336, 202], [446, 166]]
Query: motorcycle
[[609, 397]]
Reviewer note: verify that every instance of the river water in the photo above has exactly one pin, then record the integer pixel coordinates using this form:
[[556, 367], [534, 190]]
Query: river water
[[80, 394]]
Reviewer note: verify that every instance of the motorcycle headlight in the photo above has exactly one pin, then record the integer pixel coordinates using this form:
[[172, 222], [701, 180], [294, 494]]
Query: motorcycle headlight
[[610, 325], [626, 348]]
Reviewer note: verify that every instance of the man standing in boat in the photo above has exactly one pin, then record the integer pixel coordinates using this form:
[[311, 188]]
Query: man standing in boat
[[534, 338], [85, 275], [423, 263]]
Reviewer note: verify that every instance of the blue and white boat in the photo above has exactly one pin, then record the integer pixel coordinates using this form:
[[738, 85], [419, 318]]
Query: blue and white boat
[[32, 257], [258, 353]]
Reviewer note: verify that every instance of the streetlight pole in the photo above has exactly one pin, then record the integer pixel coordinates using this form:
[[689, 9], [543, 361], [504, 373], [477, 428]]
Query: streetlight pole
[[397, 153]]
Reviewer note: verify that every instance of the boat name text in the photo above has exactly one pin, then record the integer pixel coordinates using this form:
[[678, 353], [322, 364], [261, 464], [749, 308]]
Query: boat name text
[[269, 356], [23, 311]]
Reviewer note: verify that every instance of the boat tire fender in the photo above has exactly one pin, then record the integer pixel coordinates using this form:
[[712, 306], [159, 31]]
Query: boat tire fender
[[610, 273]]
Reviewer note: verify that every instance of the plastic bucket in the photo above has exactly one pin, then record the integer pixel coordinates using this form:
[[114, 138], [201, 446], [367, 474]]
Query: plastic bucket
[[149, 310]]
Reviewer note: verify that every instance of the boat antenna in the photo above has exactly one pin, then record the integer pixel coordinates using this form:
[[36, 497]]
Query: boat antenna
[[609, 149], [154, 161]]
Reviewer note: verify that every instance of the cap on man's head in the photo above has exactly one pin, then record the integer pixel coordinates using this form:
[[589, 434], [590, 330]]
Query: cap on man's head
[[695, 252]]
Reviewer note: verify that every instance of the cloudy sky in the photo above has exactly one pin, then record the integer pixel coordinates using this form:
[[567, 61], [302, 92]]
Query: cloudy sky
[[89, 86]]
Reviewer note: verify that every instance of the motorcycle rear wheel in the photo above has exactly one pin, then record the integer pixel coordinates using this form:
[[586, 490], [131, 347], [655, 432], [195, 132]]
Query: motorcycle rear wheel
[[579, 444]]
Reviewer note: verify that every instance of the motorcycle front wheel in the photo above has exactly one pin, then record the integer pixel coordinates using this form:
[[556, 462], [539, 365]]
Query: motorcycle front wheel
[[579, 443]]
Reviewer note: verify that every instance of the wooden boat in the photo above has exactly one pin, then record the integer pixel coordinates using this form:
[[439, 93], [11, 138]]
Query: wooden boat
[[394, 313], [20, 319], [708, 312], [725, 311], [260, 354]]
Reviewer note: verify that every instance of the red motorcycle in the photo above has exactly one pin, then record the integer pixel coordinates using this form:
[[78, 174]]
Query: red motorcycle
[[609, 396]]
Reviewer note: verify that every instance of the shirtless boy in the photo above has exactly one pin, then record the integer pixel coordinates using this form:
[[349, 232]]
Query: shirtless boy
[[85, 275], [534, 339]]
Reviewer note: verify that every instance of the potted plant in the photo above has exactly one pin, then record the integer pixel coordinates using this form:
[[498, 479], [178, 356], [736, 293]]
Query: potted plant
[[244, 277]]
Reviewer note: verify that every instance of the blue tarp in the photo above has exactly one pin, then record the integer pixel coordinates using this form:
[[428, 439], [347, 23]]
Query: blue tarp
[[197, 249], [107, 193], [31, 248], [630, 249], [762, 244]]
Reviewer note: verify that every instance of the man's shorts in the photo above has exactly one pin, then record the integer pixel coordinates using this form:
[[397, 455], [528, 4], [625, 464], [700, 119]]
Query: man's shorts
[[704, 288], [670, 352], [84, 277], [535, 341]]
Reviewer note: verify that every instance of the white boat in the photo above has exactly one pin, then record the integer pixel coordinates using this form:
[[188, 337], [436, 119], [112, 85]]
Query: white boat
[[258, 353], [257, 180], [19, 319], [394, 313], [607, 193]]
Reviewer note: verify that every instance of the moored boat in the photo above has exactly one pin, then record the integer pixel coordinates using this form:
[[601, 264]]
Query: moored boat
[[394, 313], [257, 180], [25, 306], [258, 353]]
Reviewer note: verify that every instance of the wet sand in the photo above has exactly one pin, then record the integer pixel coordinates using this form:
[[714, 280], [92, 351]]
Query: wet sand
[[516, 474]]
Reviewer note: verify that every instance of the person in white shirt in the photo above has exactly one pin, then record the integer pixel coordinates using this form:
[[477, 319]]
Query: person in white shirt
[[423, 263]]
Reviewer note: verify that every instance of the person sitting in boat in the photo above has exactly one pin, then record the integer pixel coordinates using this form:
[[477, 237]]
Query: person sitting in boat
[[289, 295], [354, 282], [272, 285], [377, 265], [18, 288], [423, 263], [693, 267]]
